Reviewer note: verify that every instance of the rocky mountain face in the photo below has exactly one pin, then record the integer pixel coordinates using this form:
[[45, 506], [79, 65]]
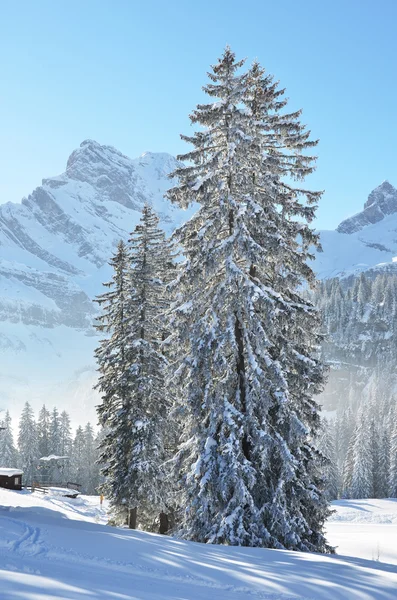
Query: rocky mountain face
[[381, 202], [54, 250], [363, 241]]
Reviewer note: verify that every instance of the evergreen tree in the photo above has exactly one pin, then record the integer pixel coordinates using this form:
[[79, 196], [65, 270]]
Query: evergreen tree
[[247, 338], [393, 456], [132, 374], [65, 435], [114, 364], [55, 433], [27, 444], [78, 458], [326, 446], [348, 466], [91, 471], [375, 455], [362, 483], [8, 452], [384, 466], [43, 432]]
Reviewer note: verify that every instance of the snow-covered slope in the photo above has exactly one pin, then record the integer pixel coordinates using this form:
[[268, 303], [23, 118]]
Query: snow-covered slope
[[54, 250], [53, 548], [364, 240]]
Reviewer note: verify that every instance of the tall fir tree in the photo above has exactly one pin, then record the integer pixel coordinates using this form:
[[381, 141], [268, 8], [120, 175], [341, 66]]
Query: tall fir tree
[[132, 415], [113, 356], [248, 340]]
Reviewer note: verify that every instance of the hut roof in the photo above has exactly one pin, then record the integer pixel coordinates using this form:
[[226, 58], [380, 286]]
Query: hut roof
[[7, 472]]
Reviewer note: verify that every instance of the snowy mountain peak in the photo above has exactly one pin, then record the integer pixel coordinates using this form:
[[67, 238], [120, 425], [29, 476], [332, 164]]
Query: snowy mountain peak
[[54, 253], [381, 202], [98, 165], [381, 195]]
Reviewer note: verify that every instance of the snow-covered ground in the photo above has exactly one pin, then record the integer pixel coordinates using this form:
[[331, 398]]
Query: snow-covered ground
[[52, 547], [365, 529]]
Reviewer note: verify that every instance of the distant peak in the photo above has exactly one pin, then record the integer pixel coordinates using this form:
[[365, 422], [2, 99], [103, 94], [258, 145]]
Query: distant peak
[[92, 152], [379, 194], [89, 143], [381, 202]]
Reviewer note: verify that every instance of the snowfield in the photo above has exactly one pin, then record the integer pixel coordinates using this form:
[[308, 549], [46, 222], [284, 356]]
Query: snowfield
[[365, 529], [52, 547]]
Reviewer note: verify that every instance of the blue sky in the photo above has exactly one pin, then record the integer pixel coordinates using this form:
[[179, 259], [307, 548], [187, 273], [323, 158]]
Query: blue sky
[[127, 73]]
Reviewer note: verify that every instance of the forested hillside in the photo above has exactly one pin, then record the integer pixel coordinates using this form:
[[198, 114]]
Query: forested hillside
[[360, 324]]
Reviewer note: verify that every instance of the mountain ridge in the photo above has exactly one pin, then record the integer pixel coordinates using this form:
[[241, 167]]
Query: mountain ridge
[[54, 251], [381, 201], [366, 240]]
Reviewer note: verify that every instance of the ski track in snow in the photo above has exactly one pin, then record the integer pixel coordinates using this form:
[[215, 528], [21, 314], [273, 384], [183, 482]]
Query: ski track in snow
[[28, 545], [52, 548]]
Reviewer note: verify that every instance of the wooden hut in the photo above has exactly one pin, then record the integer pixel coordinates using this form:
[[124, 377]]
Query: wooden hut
[[11, 478]]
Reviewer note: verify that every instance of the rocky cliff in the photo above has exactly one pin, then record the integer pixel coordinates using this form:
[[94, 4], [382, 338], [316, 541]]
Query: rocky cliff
[[54, 250]]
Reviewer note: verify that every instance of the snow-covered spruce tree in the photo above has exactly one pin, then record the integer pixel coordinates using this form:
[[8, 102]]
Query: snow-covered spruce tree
[[91, 474], [362, 483], [8, 452], [78, 457], [347, 467], [326, 445], [248, 340], [55, 433], [43, 432], [27, 444], [133, 449], [149, 257], [65, 434], [393, 455], [114, 364], [384, 466]]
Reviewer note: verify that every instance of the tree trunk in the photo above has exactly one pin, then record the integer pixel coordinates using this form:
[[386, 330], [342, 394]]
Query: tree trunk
[[132, 512], [164, 523], [241, 381]]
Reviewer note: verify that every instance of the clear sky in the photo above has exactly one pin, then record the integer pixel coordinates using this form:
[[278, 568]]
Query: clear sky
[[127, 73]]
